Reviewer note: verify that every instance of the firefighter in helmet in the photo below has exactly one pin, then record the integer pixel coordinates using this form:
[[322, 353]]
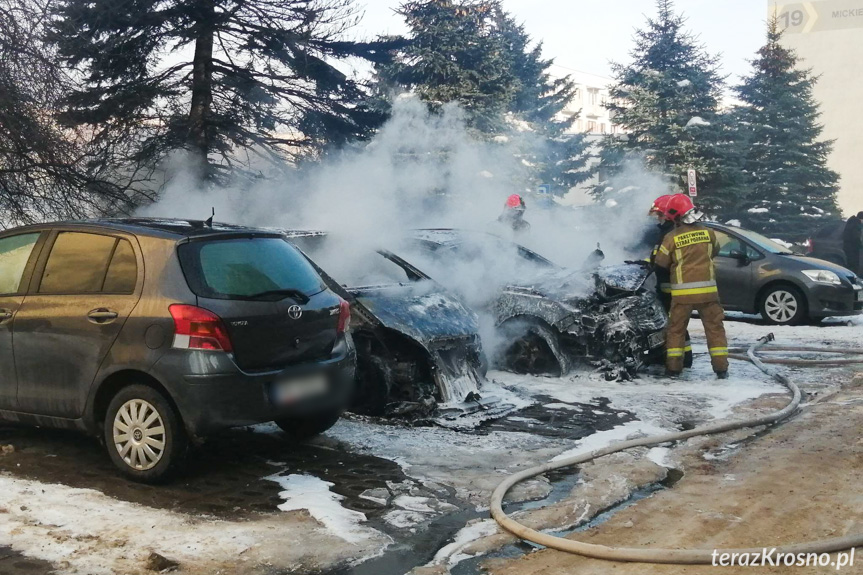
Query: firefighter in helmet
[[653, 238], [513, 214], [687, 253]]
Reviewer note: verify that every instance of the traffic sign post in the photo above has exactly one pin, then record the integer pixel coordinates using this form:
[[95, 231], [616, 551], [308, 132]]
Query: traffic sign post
[[693, 185]]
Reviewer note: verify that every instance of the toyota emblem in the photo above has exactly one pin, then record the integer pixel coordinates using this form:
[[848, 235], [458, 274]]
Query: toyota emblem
[[295, 312]]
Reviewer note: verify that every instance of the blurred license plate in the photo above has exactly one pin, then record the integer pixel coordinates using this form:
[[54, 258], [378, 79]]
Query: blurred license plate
[[656, 339], [860, 295], [290, 390]]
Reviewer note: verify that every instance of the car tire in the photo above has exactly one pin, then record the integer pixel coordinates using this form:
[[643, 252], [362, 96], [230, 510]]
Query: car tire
[[144, 435], [783, 305], [532, 353], [306, 427]]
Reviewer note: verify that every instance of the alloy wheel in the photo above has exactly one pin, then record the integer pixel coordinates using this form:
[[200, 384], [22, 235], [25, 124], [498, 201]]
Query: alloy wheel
[[781, 306], [139, 434]]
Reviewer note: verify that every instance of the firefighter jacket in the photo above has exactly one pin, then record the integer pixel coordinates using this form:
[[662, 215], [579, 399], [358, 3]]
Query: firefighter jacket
[[687, 252]]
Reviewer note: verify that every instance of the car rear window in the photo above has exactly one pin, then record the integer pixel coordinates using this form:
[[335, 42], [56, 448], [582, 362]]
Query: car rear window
[[244, 267]]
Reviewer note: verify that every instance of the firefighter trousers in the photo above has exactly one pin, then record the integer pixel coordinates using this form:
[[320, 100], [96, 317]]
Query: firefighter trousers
[[711, 314]]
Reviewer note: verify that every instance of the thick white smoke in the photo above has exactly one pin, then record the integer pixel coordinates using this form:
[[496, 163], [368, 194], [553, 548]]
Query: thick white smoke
[[425, 170]]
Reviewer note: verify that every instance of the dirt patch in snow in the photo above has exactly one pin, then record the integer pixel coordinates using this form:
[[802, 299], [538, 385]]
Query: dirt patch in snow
[[800, 482]]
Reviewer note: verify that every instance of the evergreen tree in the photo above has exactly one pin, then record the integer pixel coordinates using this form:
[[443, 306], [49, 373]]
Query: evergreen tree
[[560, 161], [667, 100], [454, 54], [473, 53], [791, 189], [219, 78]]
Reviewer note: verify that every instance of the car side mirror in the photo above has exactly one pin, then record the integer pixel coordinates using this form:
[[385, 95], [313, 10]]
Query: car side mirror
[[740, 256]]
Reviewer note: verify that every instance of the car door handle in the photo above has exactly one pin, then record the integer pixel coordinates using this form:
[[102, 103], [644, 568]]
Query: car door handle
[[102, 315], [5, 314]]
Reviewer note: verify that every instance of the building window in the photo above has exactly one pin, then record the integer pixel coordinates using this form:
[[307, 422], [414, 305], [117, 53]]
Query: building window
[[594, 95], [591, 126], [602, 127]]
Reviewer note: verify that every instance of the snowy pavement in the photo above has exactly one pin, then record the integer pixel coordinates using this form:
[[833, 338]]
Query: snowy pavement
[[367, 488]]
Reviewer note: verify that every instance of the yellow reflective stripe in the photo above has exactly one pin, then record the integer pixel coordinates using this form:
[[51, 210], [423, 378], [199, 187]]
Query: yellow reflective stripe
[[674, 352], [718, 351], [710, 257], [693, 291], [687, 348], [664, 250], [690, 285], [679, 255]]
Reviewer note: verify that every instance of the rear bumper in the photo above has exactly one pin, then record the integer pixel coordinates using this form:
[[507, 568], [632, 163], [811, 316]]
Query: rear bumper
[[212, 393], [826, 301]]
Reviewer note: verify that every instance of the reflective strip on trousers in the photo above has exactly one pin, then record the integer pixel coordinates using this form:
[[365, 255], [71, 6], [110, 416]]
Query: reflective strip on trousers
[[674, 352], [716, 351]]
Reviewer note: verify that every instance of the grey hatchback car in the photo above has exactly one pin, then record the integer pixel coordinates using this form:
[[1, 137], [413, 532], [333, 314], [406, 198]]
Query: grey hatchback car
[[758, 275], [151, 334]]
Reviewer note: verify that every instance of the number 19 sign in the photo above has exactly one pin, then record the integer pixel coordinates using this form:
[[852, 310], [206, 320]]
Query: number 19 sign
[[693, 186]]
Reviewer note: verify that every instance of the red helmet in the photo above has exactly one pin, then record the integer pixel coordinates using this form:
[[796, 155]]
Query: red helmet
[[678, 206], [514, 201], [659, 206]]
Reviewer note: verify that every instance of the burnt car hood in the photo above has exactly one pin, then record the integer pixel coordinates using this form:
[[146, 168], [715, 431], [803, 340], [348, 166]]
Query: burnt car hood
[[418, 311], [566, 285]]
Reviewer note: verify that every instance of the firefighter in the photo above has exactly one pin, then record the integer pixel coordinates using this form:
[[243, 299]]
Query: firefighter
[[513, 214], [654, 238], [687, 252]]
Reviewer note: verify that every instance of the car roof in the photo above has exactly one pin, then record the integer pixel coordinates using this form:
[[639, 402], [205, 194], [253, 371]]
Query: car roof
[[159, 227]]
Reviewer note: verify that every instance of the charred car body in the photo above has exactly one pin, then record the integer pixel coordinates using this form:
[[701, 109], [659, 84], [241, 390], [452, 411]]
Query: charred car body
[[418, 348], [550, 316]]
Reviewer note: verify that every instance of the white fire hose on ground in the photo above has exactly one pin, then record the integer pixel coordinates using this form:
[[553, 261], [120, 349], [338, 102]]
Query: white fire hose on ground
[[676, 556]]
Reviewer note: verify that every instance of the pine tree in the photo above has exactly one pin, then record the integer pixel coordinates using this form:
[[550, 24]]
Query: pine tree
[[222, 79], [473, 53], [454, 54], [791, 189], [667, 101], [560, 161]]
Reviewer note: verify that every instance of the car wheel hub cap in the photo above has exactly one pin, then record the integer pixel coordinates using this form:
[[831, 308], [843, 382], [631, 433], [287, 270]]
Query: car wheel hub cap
[[139, 434], [781, 306]]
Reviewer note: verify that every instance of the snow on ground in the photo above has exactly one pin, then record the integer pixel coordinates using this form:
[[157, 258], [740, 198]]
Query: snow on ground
[[629, 430], [47, 521], [313, 494], [451, 553], [86, 532]]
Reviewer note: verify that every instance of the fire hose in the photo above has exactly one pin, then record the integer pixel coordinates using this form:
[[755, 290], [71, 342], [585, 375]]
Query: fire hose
[[675, 556]]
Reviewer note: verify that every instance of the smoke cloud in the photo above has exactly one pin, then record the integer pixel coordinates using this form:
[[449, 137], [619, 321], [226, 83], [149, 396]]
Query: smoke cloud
[[426, 170]]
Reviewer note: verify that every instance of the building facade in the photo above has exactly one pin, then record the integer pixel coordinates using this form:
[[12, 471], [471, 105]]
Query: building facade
[[828, 37]]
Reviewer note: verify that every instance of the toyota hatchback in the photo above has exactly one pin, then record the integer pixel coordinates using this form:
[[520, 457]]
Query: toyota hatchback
[[152, 334]]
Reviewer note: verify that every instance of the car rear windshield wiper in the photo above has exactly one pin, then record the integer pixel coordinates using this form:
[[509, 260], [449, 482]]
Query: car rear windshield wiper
[[287, 292]]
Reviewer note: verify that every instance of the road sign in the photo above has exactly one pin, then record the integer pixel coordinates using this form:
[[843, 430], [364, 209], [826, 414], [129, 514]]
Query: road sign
[[544, 189], [693, 185], [806, 17]]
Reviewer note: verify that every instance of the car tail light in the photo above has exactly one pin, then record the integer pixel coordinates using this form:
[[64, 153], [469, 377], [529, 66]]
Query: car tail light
[[344, 317], [198, 328], [810, 246]]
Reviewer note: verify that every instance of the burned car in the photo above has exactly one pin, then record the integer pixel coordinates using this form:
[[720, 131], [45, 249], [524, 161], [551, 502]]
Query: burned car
[[547, 316], [418, 348]]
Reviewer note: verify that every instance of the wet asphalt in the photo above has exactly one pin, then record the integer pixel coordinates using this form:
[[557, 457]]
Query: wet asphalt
[[225, 478]]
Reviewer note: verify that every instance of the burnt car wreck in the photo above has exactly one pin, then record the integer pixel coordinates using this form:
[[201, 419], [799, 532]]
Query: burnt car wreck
[[551, 317], [418, 348]]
